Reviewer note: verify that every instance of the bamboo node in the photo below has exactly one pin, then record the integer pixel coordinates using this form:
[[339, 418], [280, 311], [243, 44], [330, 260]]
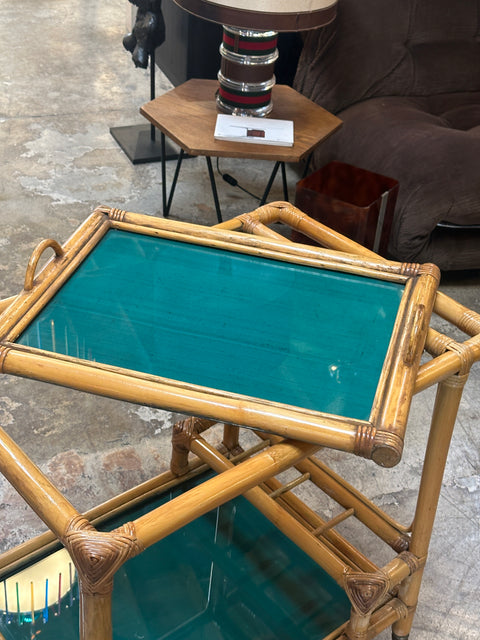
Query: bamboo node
[[430, 269], [413, 562], [364, 440], [116, 214], [98, 555], [249, 222], [465, 353], [366, 590], [470, 323], [401, 544], [410, 269]]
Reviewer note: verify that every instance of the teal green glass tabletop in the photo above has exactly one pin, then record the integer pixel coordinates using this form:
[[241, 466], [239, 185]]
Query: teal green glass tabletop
[[283, 332]]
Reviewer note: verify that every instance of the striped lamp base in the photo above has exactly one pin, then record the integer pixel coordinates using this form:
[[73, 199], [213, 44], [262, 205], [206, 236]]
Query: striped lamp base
[[246, 75]]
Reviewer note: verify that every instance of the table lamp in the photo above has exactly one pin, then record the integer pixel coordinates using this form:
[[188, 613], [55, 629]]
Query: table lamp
[[249, 46]]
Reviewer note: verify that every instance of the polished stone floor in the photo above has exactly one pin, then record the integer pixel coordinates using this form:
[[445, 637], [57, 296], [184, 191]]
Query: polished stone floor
[[65, 80]]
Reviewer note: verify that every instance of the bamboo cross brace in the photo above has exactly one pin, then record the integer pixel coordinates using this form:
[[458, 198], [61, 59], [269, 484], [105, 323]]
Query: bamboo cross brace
[[319, 531], [287, 523], [236, 480], [289, 486]]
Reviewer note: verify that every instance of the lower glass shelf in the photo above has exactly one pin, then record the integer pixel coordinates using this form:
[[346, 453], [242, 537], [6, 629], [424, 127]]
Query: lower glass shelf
[[229, 575]]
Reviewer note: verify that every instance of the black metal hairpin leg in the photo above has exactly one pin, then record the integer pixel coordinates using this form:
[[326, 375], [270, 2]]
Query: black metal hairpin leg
[[164, 174], [214, 188], [278, 164], [307, 166], [167, 204], [284, 180]]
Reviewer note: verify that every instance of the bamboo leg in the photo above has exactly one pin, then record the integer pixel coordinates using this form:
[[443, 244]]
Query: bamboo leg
[[448, 398], [182, 435], [231, 433], [95, 615], [358, 626], [60, 516]]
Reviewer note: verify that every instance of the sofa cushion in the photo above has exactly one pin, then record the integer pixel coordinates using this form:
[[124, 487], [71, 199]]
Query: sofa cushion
[[404, 76], [431, 146], [392, 47]]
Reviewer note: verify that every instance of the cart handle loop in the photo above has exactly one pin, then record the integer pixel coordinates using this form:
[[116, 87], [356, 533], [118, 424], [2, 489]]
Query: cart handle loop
[[35, 257]]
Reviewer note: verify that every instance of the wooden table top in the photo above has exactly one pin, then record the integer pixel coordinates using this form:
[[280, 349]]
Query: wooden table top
[[187, 115]]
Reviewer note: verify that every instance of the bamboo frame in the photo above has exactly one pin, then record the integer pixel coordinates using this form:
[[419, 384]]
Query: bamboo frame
[[380, 596], [380, 438]]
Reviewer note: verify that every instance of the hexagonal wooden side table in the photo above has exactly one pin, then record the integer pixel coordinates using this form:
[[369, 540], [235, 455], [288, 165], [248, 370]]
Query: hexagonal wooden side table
[[188, 113]]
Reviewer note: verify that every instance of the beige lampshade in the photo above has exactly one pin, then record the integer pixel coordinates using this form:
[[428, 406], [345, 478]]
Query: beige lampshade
[[277, 15]]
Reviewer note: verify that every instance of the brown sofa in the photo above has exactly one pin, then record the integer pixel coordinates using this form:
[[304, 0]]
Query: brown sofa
[[404, 76]]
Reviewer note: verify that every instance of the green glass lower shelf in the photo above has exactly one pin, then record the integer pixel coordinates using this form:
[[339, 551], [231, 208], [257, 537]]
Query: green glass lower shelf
[[230, 575]]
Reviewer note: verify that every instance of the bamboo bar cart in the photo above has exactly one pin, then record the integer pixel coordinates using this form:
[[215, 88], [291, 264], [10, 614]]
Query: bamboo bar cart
[[300, 348]]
